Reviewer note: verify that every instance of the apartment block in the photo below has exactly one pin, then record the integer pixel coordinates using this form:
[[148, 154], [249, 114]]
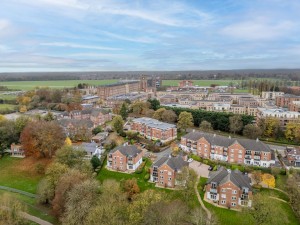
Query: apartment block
[[154, 129], [232, 150]]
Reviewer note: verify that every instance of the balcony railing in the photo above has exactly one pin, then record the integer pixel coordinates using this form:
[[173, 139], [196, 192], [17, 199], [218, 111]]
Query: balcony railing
[[247, 156], [213, 190], [256, 157]]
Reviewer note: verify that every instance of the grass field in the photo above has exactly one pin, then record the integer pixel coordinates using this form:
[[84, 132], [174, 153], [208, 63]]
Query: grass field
[[201, 83], [19, 173], [32, 207], [7, 97], [30, 85], [226, 216], [7, 106]]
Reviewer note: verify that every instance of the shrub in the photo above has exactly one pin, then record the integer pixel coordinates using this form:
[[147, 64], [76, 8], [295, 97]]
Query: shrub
[[147, 177], [140, 169], [282, 172], [40, 168]]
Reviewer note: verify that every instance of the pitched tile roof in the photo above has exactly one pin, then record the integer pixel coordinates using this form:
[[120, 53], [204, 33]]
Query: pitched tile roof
[[154, 123], [236, 177], [128, 150], [219, 140], [176, 163]]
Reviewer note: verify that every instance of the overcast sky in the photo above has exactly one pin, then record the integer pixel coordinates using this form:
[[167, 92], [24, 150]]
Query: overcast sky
[[85, 35]]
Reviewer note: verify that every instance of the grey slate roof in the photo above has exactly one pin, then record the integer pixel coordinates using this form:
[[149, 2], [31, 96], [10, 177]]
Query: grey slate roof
[[219, 140], [176, 163], [76, 123], [128, 150], [96, 112], [236, 177], [154, 123]]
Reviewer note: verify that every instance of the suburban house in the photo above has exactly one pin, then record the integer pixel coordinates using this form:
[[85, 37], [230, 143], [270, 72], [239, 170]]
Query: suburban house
[[91, 149], [293, 156], [154, 129], [97, 116], [73, 126], [232, 150], [228, 188], [98, 138], [124, 158], [16, 150], [165, 171]]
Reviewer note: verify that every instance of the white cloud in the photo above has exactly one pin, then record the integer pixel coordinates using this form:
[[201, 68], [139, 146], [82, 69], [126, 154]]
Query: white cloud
[[135, 39], [258, 29], [72, 45]]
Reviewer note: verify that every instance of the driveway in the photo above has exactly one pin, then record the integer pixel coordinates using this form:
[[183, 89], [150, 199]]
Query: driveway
[[200, 168]]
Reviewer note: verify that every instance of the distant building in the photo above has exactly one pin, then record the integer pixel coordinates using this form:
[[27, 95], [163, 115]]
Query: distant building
[[124, 158], [284, 116], [90, 99], [293, 156], [91, 149], [119, 88], [186, 83], [294, 106], [286, 99], [271, 95], [17, 150], [164, 171], [154, 129], [228, 188]]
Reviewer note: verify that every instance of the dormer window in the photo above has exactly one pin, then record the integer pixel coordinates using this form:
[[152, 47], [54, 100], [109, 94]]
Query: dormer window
[[213, 185]]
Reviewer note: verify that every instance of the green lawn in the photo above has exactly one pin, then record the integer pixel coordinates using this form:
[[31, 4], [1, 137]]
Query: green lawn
[[30, 85], [32, 207], [11, 176], [8, 97], [105, 174], [226, 216], [280, 182], [7, 106], [200, 83]]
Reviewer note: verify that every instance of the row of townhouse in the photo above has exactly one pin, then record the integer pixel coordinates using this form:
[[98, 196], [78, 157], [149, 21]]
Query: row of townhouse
[[154, 129], [232, 150], [164, 171], [292, 154], [231, 189]]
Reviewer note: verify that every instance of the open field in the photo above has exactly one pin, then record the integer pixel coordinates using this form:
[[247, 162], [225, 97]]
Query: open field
[[226, 216], [7, 106], [201, 83], [7, 97], [32, 207], [20, 173], [30, 85]]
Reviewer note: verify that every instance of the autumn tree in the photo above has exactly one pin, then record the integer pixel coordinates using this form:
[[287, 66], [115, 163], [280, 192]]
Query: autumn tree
[[292, 131], [117, 124], [140, 107], [256, 176], [10, 211], [158, 113], [131, 187], [268, 180], [252, 131], [124, 111], [205, 126], [49, 117], [66, 182], [185, 120], [47, 186], [97, 130], [154, 103], [69, 156], [271, 127], [84, 195], [149, 113], [42, 139], [169, 116], [235, 123]]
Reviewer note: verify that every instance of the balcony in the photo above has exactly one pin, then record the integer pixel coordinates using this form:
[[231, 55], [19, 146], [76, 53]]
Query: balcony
[[213, 190], [155, 174], [247, 156], [248, 153], [256, 157], [244, 197]]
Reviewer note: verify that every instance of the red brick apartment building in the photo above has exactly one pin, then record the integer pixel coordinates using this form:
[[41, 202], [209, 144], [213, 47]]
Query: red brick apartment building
[[293, 156], [124, 158], [154, 129], [119, 88], [165, 170], [228, 188], [232, 150], [186, 83], [286, 99]]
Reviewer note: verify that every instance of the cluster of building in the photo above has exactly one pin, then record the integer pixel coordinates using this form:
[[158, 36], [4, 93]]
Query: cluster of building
[[227, 149], [154, 129]]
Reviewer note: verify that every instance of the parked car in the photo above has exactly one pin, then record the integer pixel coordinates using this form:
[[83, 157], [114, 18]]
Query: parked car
[[210, 168], [190, 160]]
